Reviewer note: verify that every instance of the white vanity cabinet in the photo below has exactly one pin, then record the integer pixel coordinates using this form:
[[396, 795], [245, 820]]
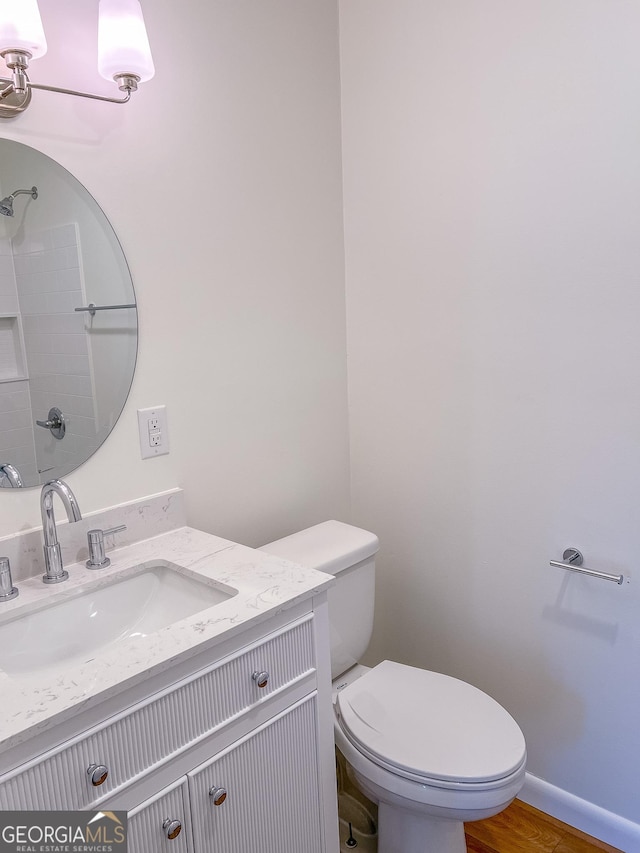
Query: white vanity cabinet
[[253, 725]]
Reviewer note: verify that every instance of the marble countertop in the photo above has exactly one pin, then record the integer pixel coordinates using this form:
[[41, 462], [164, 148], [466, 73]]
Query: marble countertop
[[32, 702]]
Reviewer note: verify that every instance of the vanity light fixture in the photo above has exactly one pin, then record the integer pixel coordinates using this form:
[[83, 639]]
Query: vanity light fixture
[[124, 55]]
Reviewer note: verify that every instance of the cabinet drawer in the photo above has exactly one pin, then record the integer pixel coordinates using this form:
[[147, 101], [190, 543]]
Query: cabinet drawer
[[152, 732], [162, 824]]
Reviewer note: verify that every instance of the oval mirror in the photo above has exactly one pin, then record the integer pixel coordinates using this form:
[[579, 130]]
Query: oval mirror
[[68, 321]]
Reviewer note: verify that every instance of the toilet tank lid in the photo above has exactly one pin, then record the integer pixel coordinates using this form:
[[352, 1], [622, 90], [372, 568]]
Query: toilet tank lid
[[328, 547]]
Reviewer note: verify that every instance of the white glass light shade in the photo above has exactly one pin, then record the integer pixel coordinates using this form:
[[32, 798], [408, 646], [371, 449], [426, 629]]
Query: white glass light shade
[[21, 27], [123, 46]]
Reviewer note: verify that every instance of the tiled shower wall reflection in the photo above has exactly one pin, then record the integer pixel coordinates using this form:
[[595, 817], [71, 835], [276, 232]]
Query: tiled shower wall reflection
[[49, 282], [16, 422]]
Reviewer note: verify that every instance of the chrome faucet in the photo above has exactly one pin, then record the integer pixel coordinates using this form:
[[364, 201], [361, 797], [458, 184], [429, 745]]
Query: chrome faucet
[[11, 475], [55, 571]]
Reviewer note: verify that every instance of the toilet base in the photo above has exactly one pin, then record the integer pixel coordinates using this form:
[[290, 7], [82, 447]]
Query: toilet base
[[402, 831]]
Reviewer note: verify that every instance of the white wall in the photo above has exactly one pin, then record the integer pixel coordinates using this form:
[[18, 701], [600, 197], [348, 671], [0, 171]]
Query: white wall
[[222, 180], [492, 205]]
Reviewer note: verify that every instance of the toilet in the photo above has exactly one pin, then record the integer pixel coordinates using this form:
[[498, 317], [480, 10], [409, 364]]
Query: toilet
[[432, 751]]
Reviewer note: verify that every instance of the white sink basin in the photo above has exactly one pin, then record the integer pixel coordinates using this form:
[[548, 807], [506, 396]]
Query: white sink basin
[[73, 631]]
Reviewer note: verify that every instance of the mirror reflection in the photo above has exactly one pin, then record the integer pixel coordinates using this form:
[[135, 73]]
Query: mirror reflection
[[68, 321]]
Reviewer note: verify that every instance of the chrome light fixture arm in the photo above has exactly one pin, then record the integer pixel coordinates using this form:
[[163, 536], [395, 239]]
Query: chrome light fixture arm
[[21, 94], [130, 87]]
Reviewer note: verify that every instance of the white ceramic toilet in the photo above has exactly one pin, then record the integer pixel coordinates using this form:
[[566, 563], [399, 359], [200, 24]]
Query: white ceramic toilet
[[431, 750]]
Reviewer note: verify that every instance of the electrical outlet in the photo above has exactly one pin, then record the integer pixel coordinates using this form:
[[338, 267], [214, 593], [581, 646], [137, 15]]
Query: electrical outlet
[[154, 434]]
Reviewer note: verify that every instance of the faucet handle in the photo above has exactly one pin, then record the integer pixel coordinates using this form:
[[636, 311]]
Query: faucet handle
[[95, 540], [117, 529], [7, 589]]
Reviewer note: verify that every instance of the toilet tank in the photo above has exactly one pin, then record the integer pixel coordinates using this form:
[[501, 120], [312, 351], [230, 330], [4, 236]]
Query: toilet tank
[[348, 553]]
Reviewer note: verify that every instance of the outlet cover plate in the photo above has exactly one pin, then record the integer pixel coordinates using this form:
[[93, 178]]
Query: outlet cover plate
[[159, 436]]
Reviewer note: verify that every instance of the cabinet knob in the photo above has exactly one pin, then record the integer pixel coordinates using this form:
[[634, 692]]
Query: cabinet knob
[[98, 774], [261, 678], [172, 828], [218, 795]]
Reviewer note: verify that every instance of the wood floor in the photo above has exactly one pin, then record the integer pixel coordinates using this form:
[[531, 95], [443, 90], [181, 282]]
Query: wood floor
[[523, 829]]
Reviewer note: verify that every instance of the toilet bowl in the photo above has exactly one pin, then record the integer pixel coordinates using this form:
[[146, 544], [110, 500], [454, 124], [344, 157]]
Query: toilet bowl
[[432, 751]]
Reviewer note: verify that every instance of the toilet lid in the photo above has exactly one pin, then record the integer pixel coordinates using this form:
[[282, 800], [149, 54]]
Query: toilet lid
[[430, 725]]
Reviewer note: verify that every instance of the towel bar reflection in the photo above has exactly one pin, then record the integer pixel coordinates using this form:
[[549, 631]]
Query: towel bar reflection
[[573, 563], [92, 308]]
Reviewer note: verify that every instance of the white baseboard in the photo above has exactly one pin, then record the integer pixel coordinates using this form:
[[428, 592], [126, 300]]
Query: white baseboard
[[594, 820]]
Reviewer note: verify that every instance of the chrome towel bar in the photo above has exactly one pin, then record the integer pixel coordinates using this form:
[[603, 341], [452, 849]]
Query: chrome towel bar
[[573, 563]]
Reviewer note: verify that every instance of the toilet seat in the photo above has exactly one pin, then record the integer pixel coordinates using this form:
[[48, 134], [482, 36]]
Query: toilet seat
[[431, 728]]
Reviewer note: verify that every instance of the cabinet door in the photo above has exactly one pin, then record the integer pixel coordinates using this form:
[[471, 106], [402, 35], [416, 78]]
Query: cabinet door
[[162, 823], [270, 778]]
